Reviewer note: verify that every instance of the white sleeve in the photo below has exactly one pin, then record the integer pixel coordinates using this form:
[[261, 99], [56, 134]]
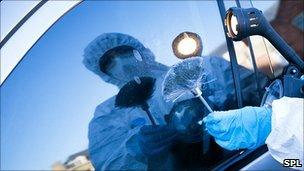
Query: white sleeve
[[285, 140], [113, 143]]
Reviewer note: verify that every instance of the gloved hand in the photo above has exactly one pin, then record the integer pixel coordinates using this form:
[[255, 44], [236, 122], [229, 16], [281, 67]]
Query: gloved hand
[[241, 128], [156, 139]]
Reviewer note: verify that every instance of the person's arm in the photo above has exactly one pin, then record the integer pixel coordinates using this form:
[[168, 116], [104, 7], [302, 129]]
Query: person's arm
[[112, 142], [247, 127]]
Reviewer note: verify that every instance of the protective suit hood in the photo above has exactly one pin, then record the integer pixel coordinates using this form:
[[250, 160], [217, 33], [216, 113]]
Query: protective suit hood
[[107, 41]]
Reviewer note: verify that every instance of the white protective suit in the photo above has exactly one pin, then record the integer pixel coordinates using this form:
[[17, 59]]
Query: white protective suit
[[285, 140], [113, 143]]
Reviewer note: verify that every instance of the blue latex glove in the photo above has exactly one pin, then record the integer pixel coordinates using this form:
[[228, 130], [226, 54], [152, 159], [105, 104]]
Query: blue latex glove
[[156, 139], [242, 128]]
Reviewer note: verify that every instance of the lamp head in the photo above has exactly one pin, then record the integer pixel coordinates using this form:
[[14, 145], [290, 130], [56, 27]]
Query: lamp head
[[187, 44], [242, 23]]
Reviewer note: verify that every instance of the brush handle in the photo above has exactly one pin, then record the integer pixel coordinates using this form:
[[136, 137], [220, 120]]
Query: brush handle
[[198, 93], [145, 107], [205, 103]]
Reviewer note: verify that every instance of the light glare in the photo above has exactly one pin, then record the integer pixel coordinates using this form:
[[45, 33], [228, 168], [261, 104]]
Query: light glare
[[234, 23], [187, 46]]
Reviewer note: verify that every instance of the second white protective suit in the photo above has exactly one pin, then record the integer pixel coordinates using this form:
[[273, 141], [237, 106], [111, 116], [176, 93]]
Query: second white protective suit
[[285, 140]]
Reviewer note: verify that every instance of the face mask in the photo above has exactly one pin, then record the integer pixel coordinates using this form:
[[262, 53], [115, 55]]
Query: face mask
[[127, 66]]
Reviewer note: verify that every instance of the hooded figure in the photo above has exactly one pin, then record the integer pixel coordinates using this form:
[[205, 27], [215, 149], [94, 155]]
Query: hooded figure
[[113, 140], [116, 138]]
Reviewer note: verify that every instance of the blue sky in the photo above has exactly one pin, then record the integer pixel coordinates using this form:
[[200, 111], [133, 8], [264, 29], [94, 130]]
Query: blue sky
[[48, 100]]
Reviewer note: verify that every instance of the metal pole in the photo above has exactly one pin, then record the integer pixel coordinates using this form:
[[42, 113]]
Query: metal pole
[[238, 4], [233, 60]]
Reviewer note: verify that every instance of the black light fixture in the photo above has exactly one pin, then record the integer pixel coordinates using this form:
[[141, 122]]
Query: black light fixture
[[187, 44], [242, 23]]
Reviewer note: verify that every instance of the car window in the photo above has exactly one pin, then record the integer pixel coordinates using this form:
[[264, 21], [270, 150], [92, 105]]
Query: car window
[[49, 99]]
